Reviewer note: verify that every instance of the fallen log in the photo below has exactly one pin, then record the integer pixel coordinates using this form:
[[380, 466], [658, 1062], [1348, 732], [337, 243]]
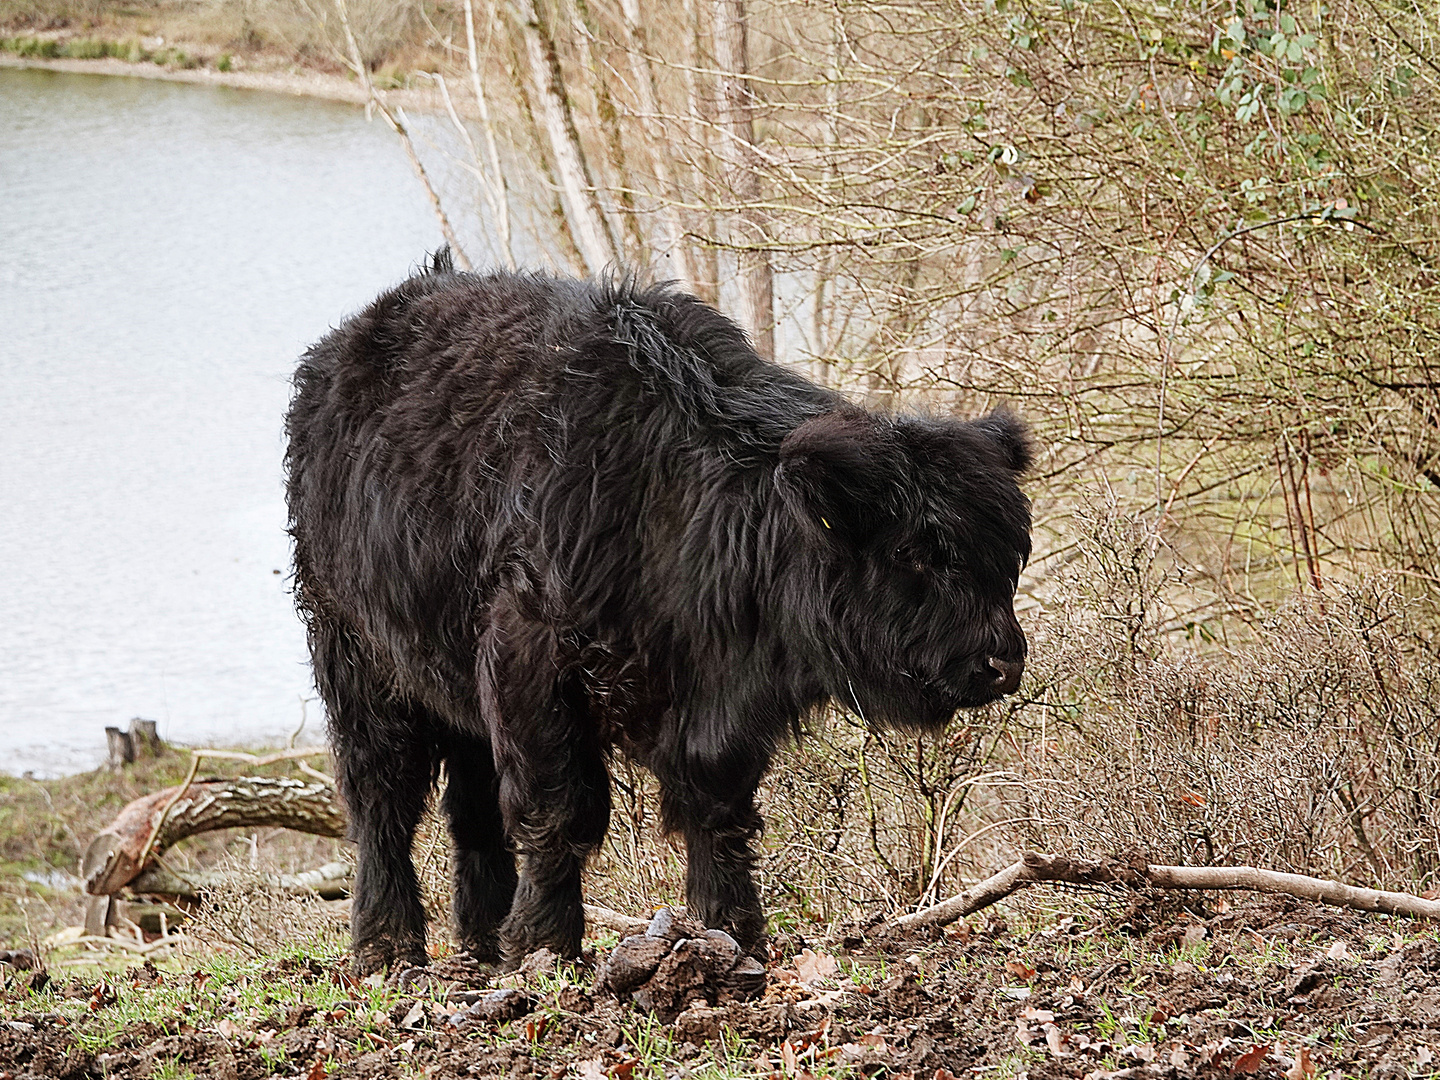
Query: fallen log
[[1034, 868], [149, 825]]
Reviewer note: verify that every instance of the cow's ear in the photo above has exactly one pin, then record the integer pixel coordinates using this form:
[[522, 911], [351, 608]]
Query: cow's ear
[[1009, 432], [832, 473]]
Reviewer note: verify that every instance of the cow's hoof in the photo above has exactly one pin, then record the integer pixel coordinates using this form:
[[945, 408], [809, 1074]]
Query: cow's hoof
[[414, 979], [486, 953], [387, 954]]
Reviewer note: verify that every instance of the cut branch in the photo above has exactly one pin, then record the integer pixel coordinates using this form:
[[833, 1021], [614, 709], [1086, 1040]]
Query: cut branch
[[356, 63], [622, 924]]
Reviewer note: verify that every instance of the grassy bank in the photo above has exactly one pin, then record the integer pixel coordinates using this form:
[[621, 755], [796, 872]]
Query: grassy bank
[[252, 39]]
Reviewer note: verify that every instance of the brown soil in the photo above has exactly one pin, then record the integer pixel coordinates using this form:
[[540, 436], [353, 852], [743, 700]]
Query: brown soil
[[1269, 988]]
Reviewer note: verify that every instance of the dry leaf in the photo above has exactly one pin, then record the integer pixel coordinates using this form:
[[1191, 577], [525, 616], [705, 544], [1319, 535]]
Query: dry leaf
[[1423, 1056], [813, 967], [317, 1071], [1024, 1033], [1019, 970], [788, 1058], [1055, 1040], [1303, 1069], [944, 1074], [1212, 1052], [590, 1070], [623, 1070], [1144, 1052], [1339, 951], [1251, 1060], [1179, 1058], [1043, 1016], [875, 1041], [535, 1027], [1194, 935], [1076, 987]]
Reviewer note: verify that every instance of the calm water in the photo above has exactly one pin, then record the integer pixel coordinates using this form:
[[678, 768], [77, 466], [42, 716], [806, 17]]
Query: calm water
[[166, 252]]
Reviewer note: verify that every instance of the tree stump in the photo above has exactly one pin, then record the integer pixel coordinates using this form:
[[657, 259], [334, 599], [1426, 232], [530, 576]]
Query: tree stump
[[125, 747]]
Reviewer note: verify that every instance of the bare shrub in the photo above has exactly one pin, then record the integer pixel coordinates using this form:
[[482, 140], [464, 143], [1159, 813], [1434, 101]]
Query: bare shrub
[[1305, 743], [256, 919]]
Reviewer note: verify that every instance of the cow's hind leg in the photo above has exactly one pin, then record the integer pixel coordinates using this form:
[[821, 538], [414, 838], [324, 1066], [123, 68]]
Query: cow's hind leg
[[555, 795], [385, 762], [484, 864]]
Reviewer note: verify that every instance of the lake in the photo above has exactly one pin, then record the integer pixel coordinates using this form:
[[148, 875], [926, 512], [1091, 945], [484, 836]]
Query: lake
[[166, 252]]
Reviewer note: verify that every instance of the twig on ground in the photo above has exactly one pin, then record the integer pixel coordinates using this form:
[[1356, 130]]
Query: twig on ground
[[624, 925], [127, 946]]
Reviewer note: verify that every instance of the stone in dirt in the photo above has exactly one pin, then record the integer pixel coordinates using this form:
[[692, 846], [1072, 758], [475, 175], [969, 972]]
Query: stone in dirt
[[631, 963], [496, 1007]]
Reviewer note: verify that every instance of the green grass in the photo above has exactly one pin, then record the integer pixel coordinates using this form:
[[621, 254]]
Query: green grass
[[44, 48]]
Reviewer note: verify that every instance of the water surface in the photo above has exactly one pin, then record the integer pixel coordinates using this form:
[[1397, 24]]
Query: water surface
[[166, 252]]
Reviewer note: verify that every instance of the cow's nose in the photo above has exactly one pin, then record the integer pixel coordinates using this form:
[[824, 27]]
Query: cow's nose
[[1007, 674]]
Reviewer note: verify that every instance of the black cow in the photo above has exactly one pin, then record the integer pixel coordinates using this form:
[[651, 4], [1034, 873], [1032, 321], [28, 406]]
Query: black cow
[[538, 519]]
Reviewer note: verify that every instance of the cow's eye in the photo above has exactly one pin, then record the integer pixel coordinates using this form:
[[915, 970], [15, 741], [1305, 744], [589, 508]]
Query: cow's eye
[[910, 560]]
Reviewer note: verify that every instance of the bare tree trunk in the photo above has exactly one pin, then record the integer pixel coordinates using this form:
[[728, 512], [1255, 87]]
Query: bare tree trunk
[[554, 205], [501, 190], [822, 366], [737, 119], [666, 190], [702, 120], [618, 183], [582, 206]]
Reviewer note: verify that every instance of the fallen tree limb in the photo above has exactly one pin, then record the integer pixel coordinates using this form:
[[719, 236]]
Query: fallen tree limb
[[150, 824], [1034, 868], [1306, 888], [329, 882]]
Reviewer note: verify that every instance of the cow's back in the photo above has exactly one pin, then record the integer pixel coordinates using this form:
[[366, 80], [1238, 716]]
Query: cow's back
[[471, 436]]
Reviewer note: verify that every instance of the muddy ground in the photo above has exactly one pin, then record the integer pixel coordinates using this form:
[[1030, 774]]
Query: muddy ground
[[1266, 987]]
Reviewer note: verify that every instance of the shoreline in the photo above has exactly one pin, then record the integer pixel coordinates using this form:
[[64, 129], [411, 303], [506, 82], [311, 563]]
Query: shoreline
[[294, 82]]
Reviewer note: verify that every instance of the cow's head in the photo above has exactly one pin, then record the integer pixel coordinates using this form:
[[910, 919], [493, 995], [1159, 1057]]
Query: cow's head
[[910, 534]]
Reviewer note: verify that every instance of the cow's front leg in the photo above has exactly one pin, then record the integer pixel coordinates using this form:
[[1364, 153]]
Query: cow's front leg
[[555, 796], [711, 802]]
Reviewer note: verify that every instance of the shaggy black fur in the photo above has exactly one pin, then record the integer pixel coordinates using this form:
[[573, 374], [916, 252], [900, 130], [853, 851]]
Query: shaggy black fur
[[535, 519]]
